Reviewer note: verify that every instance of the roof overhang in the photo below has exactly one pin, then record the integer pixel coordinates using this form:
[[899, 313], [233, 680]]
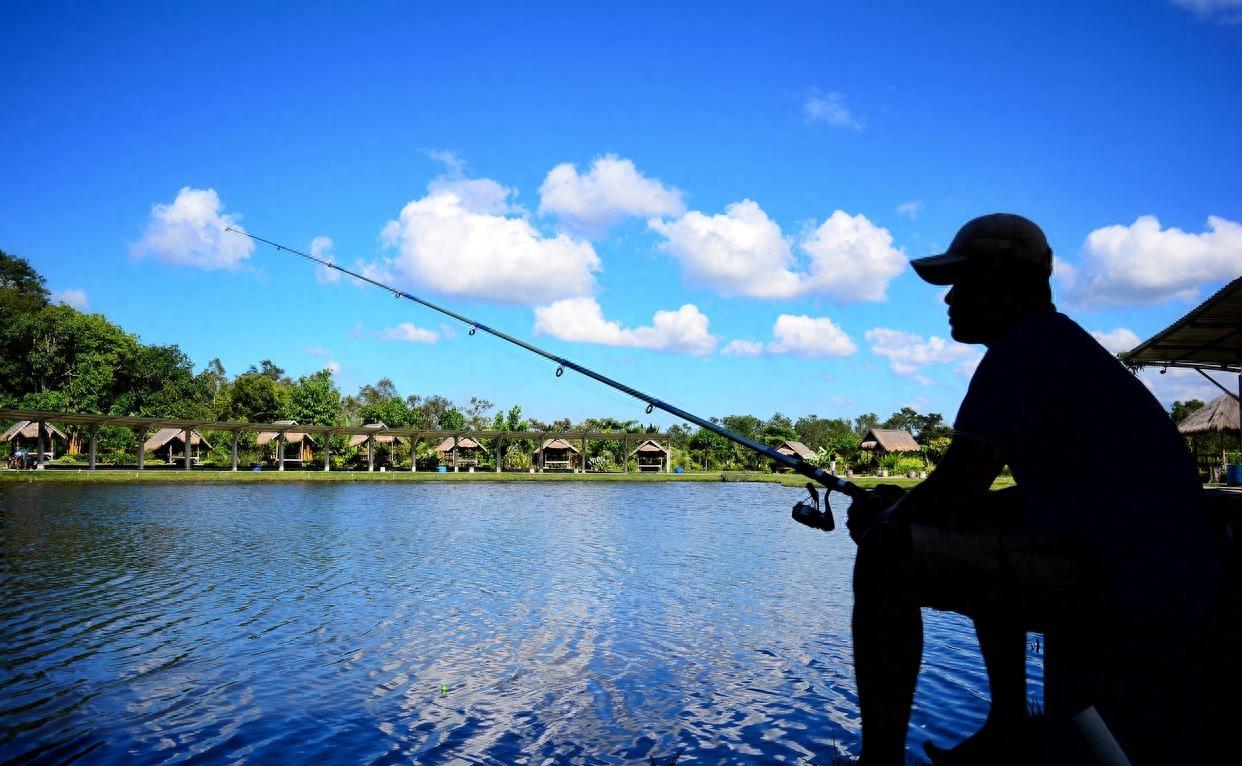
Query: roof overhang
[[1207, 338]]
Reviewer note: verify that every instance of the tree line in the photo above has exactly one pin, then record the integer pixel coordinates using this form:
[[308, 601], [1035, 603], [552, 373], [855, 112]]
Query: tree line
[[54, 357]]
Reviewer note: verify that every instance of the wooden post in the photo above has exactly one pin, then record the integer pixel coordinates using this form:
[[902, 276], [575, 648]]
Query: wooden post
[[454, 454], [189, 435], [625, 453], [142, 449], [93, 448], [280, 451], [39, 445], [327, 456], [500, 451], [371, 452], [413, 454], [582, 456], [233, 450], [668, 456], [543, 453]]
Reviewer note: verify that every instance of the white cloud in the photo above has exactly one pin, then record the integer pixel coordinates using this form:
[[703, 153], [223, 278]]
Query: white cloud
[[743, 252], [809, 337], [910, 209], [611, 190], [830, 109], [1225, 12], [1179, 384], [683, 331], [409, 333], [1117, 340], [191, 232], [74, 298], [332, 366], [1145, 264], [444, 244], [908, 353], [321, 247], [743, 348]]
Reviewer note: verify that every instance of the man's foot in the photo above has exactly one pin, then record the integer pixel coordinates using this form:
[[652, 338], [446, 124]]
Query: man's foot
[[990, 745]]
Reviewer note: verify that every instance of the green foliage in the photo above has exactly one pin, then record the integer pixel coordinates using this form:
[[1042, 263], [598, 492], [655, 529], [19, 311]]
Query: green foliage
[[257, 398], [315, 400], [923, 428], [22, 289], [1182, 410], [1233, 458], [824, 433], [517, 458]]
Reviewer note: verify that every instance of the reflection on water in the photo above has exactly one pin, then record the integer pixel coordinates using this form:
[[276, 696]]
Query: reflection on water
[[436, 623]]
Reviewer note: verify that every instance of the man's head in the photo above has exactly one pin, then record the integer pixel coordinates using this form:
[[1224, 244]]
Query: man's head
[[999, 266]]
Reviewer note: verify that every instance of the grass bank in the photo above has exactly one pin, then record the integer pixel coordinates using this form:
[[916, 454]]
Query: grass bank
[[110, 476]]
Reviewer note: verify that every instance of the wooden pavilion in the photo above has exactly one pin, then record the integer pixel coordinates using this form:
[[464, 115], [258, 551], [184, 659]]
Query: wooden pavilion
[[24, 435], [375, 436], [558, 454], [885, 440], [649, 455], [167, 442], [1218, 417], [299, 447], [460, 451]]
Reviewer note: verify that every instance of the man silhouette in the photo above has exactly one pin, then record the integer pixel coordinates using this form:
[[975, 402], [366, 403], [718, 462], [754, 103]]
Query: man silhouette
[[1119, 570]]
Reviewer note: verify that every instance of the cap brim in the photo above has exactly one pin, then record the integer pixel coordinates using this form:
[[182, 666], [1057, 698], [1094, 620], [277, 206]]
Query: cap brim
[[941, 269]]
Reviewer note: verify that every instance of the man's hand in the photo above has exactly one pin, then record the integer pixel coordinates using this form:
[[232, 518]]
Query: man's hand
[[875, 507]]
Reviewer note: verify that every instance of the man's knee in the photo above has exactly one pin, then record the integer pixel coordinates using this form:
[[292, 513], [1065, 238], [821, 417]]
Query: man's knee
[[884, 555]]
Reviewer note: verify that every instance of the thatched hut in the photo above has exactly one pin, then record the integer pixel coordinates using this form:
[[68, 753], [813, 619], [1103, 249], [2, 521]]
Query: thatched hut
[[167, 442], [649, 455], [299, 447], [1216, 426], [796, 449], [464, 451], [558, 454], [24, 436], [885, 440]]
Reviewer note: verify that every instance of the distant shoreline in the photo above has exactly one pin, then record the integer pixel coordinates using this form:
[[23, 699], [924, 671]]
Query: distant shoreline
[[122, 476]]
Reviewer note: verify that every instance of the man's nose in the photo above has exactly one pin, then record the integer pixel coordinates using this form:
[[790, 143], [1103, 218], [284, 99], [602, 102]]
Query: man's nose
[[948, 297]]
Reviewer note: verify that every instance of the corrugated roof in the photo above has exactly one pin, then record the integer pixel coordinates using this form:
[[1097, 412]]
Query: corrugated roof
[[1210, 336]]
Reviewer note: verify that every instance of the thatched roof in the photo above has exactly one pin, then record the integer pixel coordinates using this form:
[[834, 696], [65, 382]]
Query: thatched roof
[[889, 440], [1218, 415], [649, 447], [165, 435], [796, 449], [291, 437], [556, 444], [29, 429], [360, 439], [463, 442]]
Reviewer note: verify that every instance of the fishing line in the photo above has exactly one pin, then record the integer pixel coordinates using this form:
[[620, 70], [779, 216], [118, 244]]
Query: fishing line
[[797, 464]]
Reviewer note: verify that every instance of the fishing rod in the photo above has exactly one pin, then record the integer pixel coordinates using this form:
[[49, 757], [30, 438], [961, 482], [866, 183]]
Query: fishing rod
[[828, 480]]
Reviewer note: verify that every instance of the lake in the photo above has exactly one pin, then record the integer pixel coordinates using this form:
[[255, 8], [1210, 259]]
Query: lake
[[463, 623]]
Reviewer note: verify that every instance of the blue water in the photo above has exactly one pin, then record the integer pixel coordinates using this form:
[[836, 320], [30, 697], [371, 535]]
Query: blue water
[[463, 623]]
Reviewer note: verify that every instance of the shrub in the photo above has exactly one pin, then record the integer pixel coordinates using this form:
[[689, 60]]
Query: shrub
[[1233, 458], [518, 459]]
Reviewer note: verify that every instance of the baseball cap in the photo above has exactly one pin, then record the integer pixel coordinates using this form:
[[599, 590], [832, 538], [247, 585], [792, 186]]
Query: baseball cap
[[998, 238]]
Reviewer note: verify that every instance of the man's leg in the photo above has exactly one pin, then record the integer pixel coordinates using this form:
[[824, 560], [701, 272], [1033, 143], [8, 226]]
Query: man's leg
[[888, 641]]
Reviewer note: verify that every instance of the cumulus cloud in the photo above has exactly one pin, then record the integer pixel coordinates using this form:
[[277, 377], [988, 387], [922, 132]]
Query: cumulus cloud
[[743, 252], [408, 332], [1144, 263], [1117, 340], [829, 109], [478, 195], [321, 247], [74, 298], [798, 335], [908, 353], [191, 232], [683, 331], [910, 209], [610, 190], [443, 243]]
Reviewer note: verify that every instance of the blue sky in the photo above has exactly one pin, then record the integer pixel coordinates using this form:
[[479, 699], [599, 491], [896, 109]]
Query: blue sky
[[712, 202]]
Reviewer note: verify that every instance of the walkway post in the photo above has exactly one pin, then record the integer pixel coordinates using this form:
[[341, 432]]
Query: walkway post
[[280, 451], [413, 454], [189, 436], [93, 448], [327, 442], [39, 445], [582, 456], [625, 453], [142, 447], [668, 456], [454, 454], [500, 451], [233, 449], [543, 452], [371, 453]]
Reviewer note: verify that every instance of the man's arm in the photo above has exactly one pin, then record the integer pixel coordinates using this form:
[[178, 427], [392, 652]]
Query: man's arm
[[966, 471]]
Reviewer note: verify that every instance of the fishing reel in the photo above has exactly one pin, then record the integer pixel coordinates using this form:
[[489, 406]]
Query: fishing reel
[[810, 513]]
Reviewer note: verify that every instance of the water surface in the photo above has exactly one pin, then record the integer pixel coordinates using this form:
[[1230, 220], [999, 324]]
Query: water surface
[[463, 623]]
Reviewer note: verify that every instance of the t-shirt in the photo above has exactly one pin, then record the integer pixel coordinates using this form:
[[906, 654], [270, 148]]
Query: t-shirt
[[1100, 464]]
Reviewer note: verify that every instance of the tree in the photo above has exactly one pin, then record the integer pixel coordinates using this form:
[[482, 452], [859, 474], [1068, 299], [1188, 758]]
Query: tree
[[315, 400], [476, 413], [819, 433], [257, 398], [864, 423], [22, 289], [1181, 410]]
